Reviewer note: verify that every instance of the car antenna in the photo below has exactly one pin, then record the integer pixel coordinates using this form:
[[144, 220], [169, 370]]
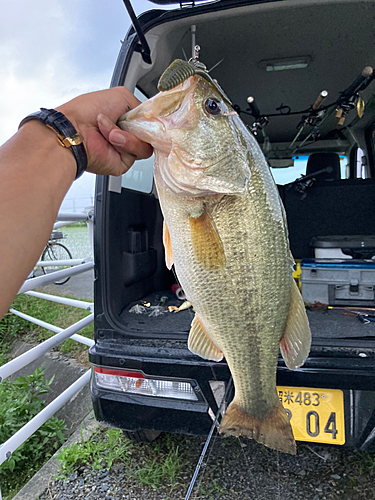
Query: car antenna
[[143, 47]]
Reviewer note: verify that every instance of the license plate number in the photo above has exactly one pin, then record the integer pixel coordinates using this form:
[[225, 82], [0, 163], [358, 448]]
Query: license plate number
[[316, 415]]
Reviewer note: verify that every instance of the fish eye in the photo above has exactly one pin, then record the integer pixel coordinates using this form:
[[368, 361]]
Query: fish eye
[[212, 106]]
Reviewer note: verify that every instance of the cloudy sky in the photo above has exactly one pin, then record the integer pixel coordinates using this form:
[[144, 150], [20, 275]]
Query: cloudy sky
[[54, 50]]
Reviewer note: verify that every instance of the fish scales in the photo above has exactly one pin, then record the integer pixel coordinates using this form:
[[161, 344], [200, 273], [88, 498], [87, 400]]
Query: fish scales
[[232, 300], [225, 230]]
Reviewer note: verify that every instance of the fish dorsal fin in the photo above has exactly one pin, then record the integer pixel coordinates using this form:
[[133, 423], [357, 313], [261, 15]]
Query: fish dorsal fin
[[167, 246], [296, 341], [207, 245], [199, 343]]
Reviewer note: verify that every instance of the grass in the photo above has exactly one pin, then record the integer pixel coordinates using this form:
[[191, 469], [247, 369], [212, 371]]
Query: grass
[[163, 466], [100, 451], [213, 490], [13, 327], [20, 402], [156, 465], [363, 463]]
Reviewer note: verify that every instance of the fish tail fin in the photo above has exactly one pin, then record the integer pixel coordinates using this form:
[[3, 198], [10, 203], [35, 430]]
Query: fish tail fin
[[274, 431]]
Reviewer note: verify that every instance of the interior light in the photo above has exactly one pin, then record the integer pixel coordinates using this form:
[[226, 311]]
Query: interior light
[[285, 64], [137, 383]]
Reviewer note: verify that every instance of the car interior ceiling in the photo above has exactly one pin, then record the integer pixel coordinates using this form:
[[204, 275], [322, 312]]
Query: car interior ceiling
[[331, 205]]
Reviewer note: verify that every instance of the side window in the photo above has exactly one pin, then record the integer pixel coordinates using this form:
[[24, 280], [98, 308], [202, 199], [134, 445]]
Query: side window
[[141, 176], [286, 175], [362, 170]]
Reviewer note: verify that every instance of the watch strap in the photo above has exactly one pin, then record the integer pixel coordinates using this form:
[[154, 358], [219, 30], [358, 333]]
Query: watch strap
[[67, 135]]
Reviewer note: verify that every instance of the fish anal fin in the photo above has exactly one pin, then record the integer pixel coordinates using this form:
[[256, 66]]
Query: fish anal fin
[[167, 246], [199, 342], [207, 245], [296, 341], [274, 431]]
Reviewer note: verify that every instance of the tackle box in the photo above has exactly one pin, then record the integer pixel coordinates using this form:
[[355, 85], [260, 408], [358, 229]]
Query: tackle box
[[343, 247], [338, 282]]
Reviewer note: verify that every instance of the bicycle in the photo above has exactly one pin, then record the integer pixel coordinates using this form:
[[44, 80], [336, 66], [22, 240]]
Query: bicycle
[[55, 251]]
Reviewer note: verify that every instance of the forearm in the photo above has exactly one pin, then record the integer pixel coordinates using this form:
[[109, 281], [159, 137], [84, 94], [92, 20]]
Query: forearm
[[36, 172]]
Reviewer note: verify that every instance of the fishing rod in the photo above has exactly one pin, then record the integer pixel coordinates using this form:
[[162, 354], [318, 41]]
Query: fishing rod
[[313, 117], [261, 121], [317, 113], [207, 442], [344, 103], [143, 46]]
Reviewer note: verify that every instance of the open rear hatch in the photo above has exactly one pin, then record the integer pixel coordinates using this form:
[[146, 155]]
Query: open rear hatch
[[284, 54]]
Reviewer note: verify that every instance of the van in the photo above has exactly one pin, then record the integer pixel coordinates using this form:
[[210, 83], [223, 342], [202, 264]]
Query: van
[[300, 75]]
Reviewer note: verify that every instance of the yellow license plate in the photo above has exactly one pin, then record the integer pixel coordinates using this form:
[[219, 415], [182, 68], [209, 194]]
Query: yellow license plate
[[316, 415]]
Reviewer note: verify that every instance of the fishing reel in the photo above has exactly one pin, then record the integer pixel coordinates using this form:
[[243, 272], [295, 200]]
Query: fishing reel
[[260, 122], [344, 109], [258, 125]]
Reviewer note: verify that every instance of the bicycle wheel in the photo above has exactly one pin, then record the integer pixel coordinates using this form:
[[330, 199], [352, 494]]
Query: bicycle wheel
[[56, 251]]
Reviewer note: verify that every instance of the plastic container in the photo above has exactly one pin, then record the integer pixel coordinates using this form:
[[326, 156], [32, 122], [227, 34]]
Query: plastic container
[[344, 247], [338, 282]]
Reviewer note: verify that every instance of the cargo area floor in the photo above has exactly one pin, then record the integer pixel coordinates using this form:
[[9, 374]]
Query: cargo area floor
[[167, 322], [336, 325], [323, 323]]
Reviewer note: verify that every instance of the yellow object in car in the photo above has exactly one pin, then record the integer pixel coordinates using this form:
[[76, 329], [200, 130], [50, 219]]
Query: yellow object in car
[[297, 274]]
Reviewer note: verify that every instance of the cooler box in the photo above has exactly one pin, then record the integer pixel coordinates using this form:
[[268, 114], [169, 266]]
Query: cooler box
[[338, 282], [343, 247]]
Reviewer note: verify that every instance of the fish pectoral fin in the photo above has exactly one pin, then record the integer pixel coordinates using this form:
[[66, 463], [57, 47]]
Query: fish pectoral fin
[[207, 245], [167, 246], [199, 342], [296, 341]]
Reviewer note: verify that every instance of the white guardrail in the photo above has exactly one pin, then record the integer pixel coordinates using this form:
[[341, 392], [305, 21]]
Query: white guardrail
[[78, 266]]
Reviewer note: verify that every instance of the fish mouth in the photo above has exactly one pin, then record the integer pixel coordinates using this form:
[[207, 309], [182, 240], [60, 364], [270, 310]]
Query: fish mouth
[[142, 122]]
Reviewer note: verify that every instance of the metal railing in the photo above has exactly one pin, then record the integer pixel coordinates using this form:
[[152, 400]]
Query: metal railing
[[79, 266]]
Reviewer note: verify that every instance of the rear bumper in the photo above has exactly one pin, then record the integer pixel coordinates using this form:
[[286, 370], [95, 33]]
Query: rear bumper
[[355, 377], [134, 412]]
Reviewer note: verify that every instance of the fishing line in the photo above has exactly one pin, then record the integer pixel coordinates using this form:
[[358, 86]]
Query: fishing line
[[207, 442], [253, 480], [278, 474], [204, 465], [215, 65]]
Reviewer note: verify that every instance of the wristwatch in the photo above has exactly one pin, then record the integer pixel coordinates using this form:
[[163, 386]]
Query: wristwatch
[[67, 136]]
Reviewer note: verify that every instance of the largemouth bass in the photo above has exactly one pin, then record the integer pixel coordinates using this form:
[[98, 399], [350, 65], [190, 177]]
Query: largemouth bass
[[225, 231]]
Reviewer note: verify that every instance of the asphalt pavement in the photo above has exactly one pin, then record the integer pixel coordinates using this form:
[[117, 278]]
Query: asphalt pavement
[[80, 286]]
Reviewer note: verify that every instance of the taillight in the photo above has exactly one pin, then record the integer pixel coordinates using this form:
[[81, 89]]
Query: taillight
[[136, 383]]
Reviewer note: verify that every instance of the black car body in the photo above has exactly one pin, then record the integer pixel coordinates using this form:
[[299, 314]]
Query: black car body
[[144, 377]]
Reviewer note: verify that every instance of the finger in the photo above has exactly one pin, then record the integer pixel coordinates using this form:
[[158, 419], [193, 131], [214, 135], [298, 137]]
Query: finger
[[122, 141], [105, 125], [107, 161], [128, 143]]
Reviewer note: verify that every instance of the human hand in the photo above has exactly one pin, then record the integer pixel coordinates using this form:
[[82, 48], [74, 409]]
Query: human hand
[[110, 150]]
